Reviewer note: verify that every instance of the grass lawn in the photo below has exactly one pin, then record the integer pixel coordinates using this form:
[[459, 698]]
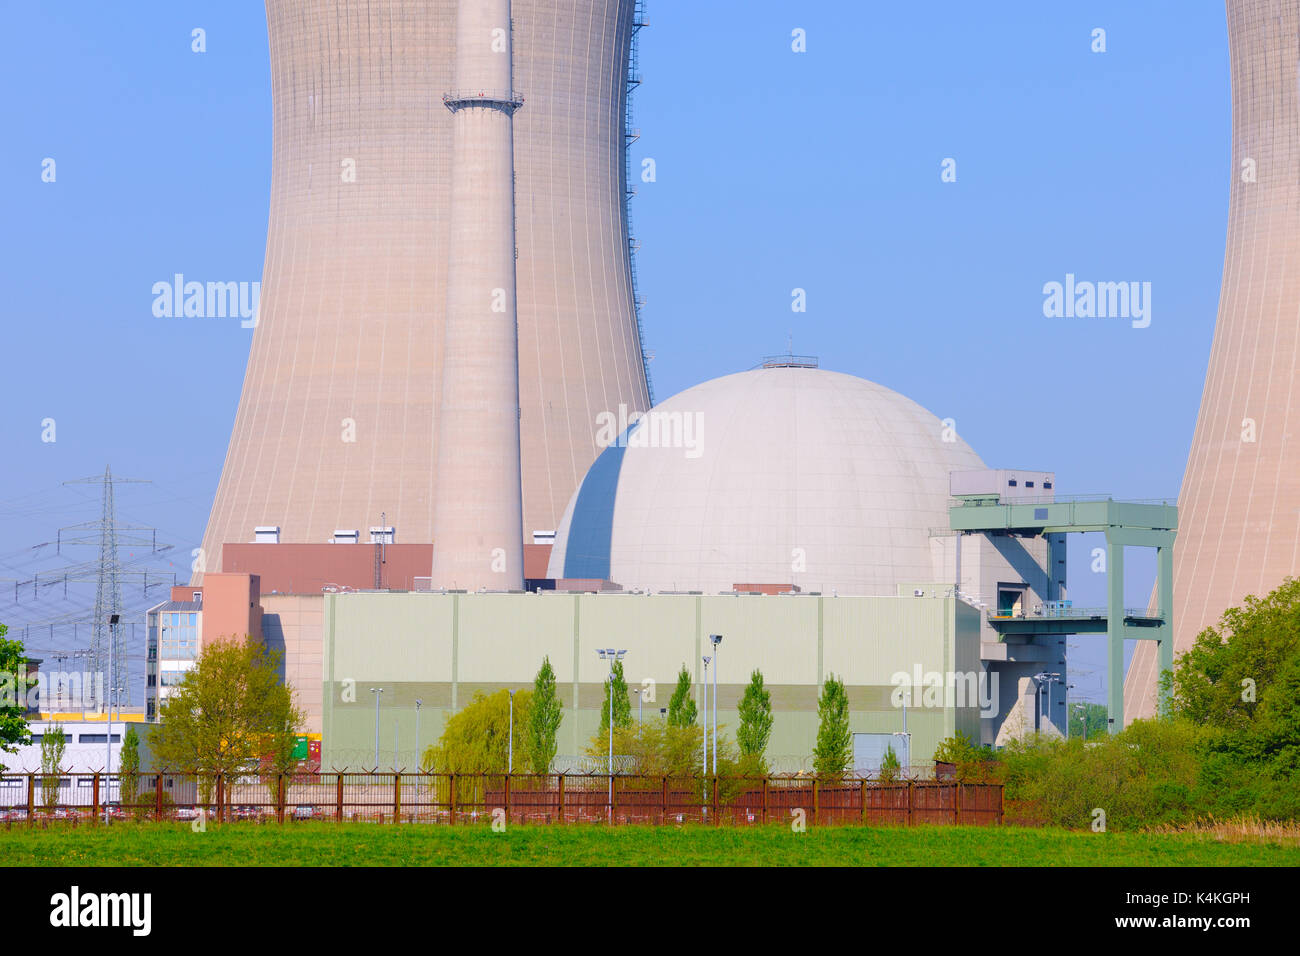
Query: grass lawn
[[329, 844]]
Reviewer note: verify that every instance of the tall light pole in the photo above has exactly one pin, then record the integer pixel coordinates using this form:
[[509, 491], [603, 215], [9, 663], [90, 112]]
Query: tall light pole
[[716, 640], [419, 764], [1045, 679], [637, 691], [1068, 688], [376, 691], [108, 735], [612, 656], [707, 660]]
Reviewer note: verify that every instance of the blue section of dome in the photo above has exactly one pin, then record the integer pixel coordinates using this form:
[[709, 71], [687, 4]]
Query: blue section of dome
[[591, 528]]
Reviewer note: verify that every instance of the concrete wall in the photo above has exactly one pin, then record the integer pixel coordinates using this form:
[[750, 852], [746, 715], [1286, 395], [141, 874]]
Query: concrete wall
[[442, 648], [230, 607], [292, 625]]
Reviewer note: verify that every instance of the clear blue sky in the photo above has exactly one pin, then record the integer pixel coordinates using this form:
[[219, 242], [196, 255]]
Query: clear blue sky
[[775, 170]]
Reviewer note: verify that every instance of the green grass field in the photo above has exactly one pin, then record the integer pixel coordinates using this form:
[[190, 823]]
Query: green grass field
[[327, 844]]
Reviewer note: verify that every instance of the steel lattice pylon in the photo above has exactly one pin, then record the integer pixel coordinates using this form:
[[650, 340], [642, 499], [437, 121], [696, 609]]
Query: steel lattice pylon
[[108, 535]]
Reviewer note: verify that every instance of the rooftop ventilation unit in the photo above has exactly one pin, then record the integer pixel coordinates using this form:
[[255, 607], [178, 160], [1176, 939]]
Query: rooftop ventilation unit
[[346, 536], [266, 534]]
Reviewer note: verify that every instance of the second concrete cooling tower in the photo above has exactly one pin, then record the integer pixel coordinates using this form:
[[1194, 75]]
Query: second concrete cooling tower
[[1239, 507], [338, 418]]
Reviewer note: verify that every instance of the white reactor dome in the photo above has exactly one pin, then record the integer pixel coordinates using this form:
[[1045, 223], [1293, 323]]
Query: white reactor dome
[[776, 476]]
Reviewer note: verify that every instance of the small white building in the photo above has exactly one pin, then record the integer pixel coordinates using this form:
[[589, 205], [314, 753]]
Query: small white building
[[87, 749]]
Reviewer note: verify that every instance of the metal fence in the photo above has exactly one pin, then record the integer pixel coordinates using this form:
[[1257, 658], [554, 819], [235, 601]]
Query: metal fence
[[469, 798]]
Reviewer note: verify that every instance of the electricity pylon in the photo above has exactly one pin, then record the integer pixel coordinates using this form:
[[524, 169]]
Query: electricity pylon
[[108, 572]]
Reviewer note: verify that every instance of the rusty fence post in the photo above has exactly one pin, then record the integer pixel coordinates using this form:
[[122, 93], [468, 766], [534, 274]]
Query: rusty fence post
[[765, 799], [158, 796], [279, 797], [559, 806], [817, 800], [338, 797], [862, 797], [94, 799], [31, 798], [452, 795], [397, 796], [507, 797], [663, 802], [911, 801], [956, 803]]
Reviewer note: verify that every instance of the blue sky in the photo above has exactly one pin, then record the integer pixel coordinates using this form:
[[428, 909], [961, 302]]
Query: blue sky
[[775, 170]]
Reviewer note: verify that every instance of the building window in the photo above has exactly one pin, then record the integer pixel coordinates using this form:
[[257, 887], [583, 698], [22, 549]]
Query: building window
[[98, 739], [179, 638], [1029, 484], [1011, 483]]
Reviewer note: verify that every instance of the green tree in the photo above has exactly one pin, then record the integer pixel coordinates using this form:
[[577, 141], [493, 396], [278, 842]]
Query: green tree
[[973, 763], [1223, 680], [622, 701], [1144, 776], [682, 711], [231, 713], [129, 768], [543, 720], [834, 743], [755, 729], [477, 738], [656, 748], [476, 741], [53, 743], [1087, 717], [13, 695], [890, 768]]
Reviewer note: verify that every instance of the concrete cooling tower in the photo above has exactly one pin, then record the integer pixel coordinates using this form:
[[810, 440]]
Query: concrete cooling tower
[[1239, 508], [338, 421]]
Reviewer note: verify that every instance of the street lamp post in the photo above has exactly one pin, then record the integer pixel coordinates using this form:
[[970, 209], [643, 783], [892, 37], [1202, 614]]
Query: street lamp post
[[612, 656], [716, 640], [1068, 688], [418, 761], [376, 691], [112, 654], [108, 735], [1045, 679], [707, 661]]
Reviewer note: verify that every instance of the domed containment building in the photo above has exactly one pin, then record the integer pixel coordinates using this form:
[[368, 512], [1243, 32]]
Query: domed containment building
[[801, 514], [800, 477]]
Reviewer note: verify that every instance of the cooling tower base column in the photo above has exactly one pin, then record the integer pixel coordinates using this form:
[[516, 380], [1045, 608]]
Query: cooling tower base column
[[478, 518]]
